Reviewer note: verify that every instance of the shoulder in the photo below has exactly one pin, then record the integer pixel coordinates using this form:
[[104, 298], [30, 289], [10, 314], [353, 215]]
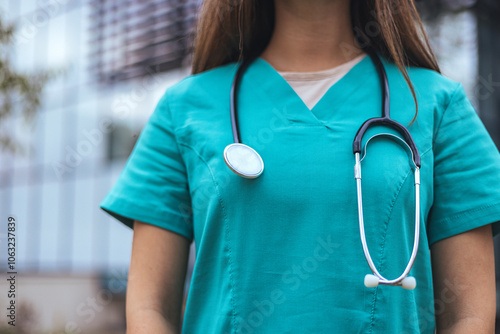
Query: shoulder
[[430, 86], [205, 86], [430, 82], [197, 98]]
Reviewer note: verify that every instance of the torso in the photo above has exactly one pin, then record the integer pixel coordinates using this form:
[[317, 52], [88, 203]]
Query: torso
[[282, 253]]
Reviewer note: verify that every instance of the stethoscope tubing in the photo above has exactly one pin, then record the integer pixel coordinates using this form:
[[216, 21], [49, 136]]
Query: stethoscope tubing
[[384, 120], [234, 99], [369, 260]]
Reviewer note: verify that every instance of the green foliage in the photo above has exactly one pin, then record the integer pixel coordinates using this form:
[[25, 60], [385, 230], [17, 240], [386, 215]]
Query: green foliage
[[19, 92]]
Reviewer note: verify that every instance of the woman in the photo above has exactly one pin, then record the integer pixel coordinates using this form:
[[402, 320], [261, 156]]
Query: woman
[[281, 253]]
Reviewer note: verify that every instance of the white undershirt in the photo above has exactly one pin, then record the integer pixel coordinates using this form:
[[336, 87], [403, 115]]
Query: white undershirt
[[311, 86]]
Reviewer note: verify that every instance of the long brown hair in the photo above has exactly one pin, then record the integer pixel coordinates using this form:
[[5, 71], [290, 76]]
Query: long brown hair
[[229, 30]]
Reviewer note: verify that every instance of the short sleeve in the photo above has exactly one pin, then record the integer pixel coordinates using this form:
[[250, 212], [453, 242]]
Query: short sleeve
[[466, 172], [153, 186]]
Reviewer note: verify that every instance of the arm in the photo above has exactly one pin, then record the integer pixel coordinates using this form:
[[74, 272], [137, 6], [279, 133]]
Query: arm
[[464, 282], [156, 280]]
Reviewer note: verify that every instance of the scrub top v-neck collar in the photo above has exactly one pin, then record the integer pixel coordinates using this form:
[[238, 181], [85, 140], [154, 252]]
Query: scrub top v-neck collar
[[282, 95]]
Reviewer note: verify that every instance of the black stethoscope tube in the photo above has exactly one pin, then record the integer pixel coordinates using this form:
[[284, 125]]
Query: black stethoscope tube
[[234, 99], [386, 118]]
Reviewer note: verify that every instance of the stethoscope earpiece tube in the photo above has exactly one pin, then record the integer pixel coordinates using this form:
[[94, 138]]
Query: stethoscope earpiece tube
[[386, 118], [234, 99]]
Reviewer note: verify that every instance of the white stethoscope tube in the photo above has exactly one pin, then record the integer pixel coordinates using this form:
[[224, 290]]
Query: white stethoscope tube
[[374, 280]]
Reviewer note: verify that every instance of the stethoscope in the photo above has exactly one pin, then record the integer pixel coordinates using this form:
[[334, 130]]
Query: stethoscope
[[246, 162]]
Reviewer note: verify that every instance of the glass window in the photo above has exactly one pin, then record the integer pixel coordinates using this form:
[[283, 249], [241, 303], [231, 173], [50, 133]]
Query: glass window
[[84, 246], [456, 51]]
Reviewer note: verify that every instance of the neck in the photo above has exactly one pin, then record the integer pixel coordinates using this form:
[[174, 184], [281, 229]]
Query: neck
[[311, 36]]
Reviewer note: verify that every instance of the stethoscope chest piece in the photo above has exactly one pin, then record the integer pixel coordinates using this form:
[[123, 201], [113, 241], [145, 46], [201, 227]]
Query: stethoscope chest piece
[[243, 160]]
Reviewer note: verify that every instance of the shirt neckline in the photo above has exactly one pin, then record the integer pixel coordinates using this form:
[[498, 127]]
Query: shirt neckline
[[323, 74], [282, 96]]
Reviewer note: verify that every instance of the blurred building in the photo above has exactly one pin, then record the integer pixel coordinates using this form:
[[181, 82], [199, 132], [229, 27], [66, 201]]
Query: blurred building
[[466, 37], [118, 58]]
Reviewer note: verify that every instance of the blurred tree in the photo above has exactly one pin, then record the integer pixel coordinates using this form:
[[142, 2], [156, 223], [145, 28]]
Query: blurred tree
[[19, 92]]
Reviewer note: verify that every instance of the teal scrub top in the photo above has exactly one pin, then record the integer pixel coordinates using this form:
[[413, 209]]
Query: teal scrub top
[[282, 253]]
